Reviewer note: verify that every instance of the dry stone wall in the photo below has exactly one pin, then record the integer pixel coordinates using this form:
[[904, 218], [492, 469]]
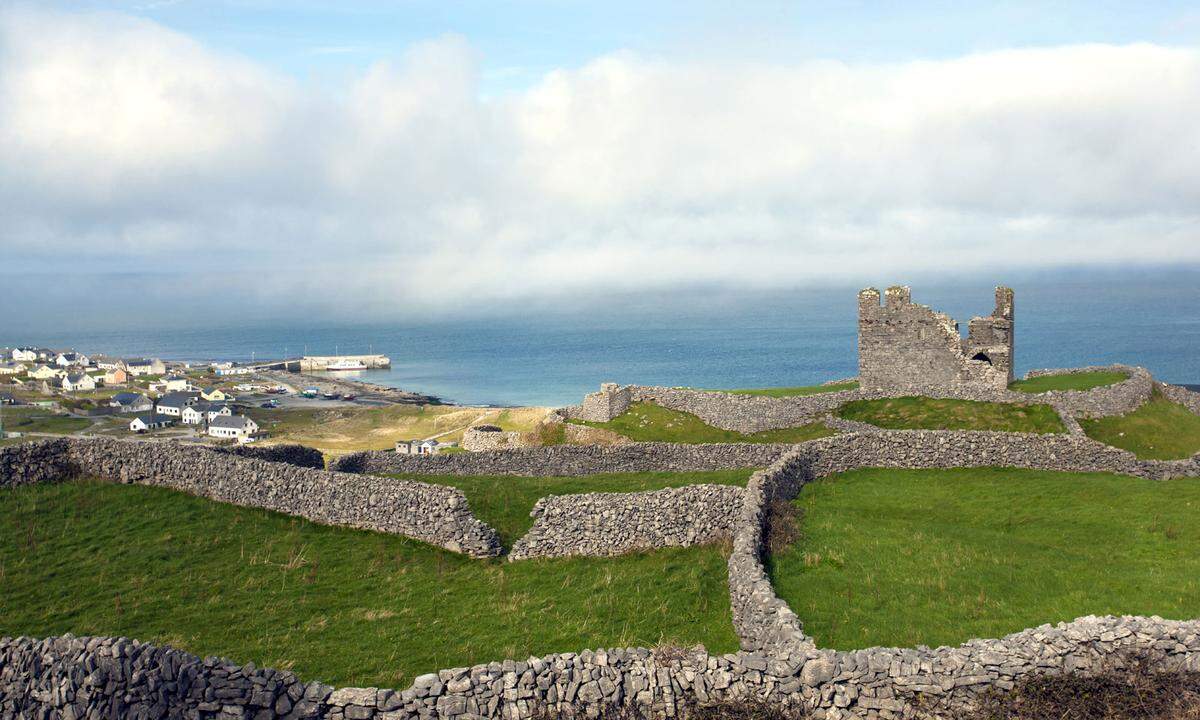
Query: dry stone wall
[[1187, 398], [604, 524], [103, 678], [756, 413], [436, 514], [570, 460], [298, 455]]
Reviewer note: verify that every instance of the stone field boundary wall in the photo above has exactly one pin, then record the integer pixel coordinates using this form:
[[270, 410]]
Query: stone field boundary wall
[[756, 413], [605, 524], [94, 678], [1190, 399], [570, 460], [436, 514]]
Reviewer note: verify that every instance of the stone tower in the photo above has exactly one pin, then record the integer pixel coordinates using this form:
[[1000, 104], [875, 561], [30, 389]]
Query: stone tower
[[905, 347]]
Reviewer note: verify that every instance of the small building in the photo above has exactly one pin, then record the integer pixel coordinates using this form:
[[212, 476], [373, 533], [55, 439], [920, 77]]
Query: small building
[[131, 402], [420, 447], [13, 368], [173, 403], [104, 362], [25, 354], [67, 359], [214, 394], [144, 366], [45, 372], [237, 427], [228, 369], [144, 423], [78, 382], [116, 376], [203, 412], [174, 383]]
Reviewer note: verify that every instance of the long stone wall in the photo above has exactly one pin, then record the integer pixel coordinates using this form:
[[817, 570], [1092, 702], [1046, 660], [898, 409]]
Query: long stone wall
[[102, 678], [570, 460], [436, 514], [604, 524], [756, 413], [292, 454], [1187, 398]]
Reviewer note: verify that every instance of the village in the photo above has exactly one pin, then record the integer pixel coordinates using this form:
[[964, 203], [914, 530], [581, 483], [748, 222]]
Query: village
[[138, 395]]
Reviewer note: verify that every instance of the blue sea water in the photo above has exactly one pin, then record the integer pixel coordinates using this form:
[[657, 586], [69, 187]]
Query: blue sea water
[[714, 339]]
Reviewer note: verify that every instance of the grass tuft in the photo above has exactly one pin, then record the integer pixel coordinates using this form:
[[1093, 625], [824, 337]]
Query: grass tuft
[[923, 413]]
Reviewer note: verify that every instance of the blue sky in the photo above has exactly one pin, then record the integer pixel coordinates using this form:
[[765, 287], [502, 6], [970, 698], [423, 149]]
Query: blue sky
[[518, 42]]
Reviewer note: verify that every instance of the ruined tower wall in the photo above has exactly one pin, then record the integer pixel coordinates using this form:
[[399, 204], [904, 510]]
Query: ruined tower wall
[[904, 347]]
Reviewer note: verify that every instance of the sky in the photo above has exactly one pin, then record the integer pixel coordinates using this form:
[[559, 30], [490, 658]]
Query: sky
[[431, 157]]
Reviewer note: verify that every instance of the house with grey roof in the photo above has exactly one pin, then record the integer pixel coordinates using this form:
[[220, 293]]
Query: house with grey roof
[[237, 427], [131, 402], [173, 403], [144, 423]]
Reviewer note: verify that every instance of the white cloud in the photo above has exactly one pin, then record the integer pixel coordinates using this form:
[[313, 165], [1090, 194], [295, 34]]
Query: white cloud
[[131, 146]]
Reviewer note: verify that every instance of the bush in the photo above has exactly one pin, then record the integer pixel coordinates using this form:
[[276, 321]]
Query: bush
[[1140, 690]]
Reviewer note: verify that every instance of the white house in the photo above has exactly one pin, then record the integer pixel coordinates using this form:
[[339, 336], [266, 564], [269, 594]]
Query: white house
[[45, 372], [142, 423], [171, 384], [143, 366], [13, 368], [76, 383], [25, 354], [203, 412], [173, 403], [232, 426], [420, 447], [67, 359]]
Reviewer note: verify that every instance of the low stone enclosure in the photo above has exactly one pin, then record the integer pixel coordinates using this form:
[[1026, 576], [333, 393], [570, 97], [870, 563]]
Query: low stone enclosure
[[105, 677], [756, 413]]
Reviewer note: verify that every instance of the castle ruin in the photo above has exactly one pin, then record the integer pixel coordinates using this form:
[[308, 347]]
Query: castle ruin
[[908, 348]]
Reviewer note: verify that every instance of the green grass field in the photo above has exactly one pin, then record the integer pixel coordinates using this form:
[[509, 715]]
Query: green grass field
[[1158, 430], [896, 557], [1073, 381], [348, 607], [648, 422], [922, 413], [504, 502], [779, 392], [40, 420]]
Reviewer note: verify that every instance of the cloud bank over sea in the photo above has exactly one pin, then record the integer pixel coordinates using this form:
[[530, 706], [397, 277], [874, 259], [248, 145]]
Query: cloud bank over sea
[[126, 146]]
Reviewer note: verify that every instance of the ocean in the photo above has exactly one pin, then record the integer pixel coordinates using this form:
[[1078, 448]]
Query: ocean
[[709, 339]]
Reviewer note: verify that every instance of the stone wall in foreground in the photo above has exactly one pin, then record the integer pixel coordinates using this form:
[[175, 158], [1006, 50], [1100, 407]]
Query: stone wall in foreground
[[604, 524], [436, 514], [570, 460], [95, 678]]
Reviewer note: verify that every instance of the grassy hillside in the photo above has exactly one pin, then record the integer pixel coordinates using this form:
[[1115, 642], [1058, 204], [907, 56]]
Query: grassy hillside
[[779, 392], [648, 422], [1071, 381], [922, 413], [1158, 430], [344, 606], [504, 502], [895, 557]]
